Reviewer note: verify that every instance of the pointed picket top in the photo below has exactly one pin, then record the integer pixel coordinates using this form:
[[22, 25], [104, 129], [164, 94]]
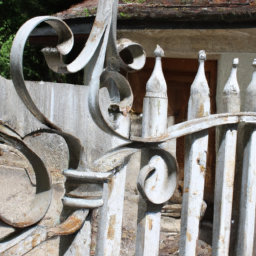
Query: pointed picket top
[[231, 92], [250, 96], [159, 52], [199, 101], [156, 86]]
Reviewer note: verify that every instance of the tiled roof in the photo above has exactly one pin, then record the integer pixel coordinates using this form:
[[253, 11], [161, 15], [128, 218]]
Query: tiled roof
[[178, 10]]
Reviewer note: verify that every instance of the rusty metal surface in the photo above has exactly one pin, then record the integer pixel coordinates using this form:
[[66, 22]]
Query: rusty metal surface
[[177, 10], [71, 225]]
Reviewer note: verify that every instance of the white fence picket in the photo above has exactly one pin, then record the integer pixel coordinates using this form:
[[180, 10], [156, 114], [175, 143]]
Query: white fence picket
[[111, 215], [154, 124], [225, 169], [195, 163], [248, 188]]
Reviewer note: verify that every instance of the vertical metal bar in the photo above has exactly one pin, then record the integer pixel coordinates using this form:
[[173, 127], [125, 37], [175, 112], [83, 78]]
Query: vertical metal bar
[[154, 124], [195, 163], [111, 214], [148, 231], [248, 189], [225, 170]]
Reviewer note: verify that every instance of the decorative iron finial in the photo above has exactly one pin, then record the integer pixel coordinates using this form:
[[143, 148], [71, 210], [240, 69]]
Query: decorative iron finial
[[199, 101], [250, 96], [156, 86], [231, 92], [201, 55], [159, 52], [154, 122]]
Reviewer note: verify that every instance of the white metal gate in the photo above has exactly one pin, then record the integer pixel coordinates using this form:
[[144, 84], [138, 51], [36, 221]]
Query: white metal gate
[[157, 178]]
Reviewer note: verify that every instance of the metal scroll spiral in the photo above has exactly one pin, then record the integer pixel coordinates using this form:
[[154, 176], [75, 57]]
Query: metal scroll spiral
[[100, 57]]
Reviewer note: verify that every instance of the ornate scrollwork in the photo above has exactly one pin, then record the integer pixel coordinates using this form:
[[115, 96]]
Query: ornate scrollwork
[[34, 209], [101, 57]]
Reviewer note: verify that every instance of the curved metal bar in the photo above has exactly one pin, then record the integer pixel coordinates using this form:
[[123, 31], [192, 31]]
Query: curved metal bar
[[124, 103], [73, 223], [200, 124], [53, 55], [98, 29], [113, 64], [28, 243], [158, 179], [137, 53], [8, 244], [102, 39], [113, 159], [65, 44], [97, 177], [82, 203], [43, 194], [8, 131]]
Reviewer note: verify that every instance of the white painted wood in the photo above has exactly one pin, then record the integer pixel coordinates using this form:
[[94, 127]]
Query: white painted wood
[[195, 163], [225, 169], [248, 189], [111, 213]]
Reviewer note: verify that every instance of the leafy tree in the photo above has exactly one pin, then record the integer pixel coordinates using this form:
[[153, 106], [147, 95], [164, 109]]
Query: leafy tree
[[13, 13]]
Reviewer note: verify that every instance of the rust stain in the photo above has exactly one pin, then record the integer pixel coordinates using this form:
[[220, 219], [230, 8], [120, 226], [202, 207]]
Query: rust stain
[[70, 226], [150, 223], [93, 38], [22, 224], [98, 24], [111, 228], [110, 187], [222, 239], [202, 169], [230, 174], [201, 110], [1, 152], [186, 190], [37, 134], [35, 241], [189, 236], [153, 187]]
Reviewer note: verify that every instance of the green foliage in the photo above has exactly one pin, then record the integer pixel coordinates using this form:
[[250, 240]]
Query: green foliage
[[13, 13], [5, 57], [86, 11]]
